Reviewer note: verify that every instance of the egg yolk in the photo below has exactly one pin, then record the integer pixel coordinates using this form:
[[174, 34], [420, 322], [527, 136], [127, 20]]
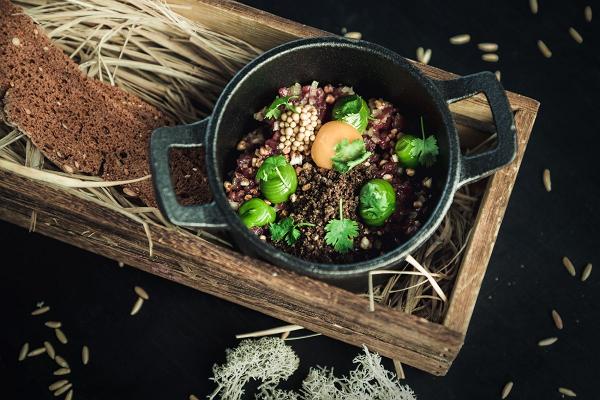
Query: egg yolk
[[331, 134]]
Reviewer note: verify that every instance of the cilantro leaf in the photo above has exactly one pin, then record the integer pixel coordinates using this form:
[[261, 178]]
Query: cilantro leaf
[[426, 149], [352, 110], [376, 202], [273, 110], [286, 230], [341, 233], [349, 154]]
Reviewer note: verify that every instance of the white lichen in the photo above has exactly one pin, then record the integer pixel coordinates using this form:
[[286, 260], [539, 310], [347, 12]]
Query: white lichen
[[270, 361], [370, 380]]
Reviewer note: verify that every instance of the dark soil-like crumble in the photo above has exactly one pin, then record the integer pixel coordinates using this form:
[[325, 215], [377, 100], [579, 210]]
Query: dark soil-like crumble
[[317, 198]]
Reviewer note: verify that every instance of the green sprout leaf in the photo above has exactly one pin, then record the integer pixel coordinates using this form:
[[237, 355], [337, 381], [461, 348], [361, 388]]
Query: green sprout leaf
[[353, 110], [349, 154], [287, 230], [273, 110], [341, 233]]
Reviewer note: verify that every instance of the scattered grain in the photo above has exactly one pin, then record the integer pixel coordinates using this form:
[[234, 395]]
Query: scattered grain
[[53, 324], [544, 49], [547, 180], [557, 320], [547, 342], [61, 361], [353, 35], [569, 266], [121, 264], [62, 371], [575, 35], [85, 355], [60, 335], [506, 389], [40, 311], [69, 395], [488, 47], [427, 56], [137, 306], [498, 75], [50, 349], [63, 389], [420, 54], [460, 39], [533, 5], [490, 57], [587, 12], [587, 271], [567, 392], [192, 397], [36, 352], [141, 292], [24, 351], [58, 384]]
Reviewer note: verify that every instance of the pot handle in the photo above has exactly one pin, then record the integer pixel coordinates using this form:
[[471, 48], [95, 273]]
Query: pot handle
[[161, 141], [477, 166]]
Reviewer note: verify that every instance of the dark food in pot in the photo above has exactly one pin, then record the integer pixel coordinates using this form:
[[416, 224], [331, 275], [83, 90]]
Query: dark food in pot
[[345, 179]]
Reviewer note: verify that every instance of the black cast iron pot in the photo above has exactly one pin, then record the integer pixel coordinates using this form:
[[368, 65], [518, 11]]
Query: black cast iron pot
[[373, 71]]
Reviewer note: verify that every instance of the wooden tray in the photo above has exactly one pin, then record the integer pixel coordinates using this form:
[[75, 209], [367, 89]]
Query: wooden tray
[[183, 258]]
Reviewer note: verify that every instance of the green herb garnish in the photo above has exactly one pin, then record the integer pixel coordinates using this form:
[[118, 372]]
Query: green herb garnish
[[353, 110], [273, 110], [341, 233], [412, 150], [349, 154], [377, 202], [287, 229], [277, 179]]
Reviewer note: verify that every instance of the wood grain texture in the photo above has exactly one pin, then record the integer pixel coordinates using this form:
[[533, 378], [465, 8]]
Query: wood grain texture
[[485, 231], [184, 258], [189, 260]]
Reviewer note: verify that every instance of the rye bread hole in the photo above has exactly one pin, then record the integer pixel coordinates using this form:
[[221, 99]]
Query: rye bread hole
[[123, 154]]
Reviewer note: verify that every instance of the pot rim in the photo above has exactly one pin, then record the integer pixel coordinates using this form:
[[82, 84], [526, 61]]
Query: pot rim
[[325, 270]]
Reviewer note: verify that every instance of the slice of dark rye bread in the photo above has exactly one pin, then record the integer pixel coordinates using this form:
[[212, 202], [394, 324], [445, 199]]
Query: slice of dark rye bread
[[80, 124]]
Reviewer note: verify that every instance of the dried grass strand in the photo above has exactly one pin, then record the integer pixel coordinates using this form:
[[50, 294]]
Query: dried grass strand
[[271, 331]]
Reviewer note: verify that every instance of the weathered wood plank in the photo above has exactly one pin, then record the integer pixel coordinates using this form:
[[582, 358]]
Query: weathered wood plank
[[483, 237], [186, 259]]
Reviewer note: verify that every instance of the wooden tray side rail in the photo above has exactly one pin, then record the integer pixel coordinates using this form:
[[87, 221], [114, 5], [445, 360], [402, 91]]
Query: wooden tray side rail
[[184, 258], [181, 257]]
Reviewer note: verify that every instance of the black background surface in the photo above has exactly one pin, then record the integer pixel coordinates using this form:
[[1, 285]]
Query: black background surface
[[167, 351]]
